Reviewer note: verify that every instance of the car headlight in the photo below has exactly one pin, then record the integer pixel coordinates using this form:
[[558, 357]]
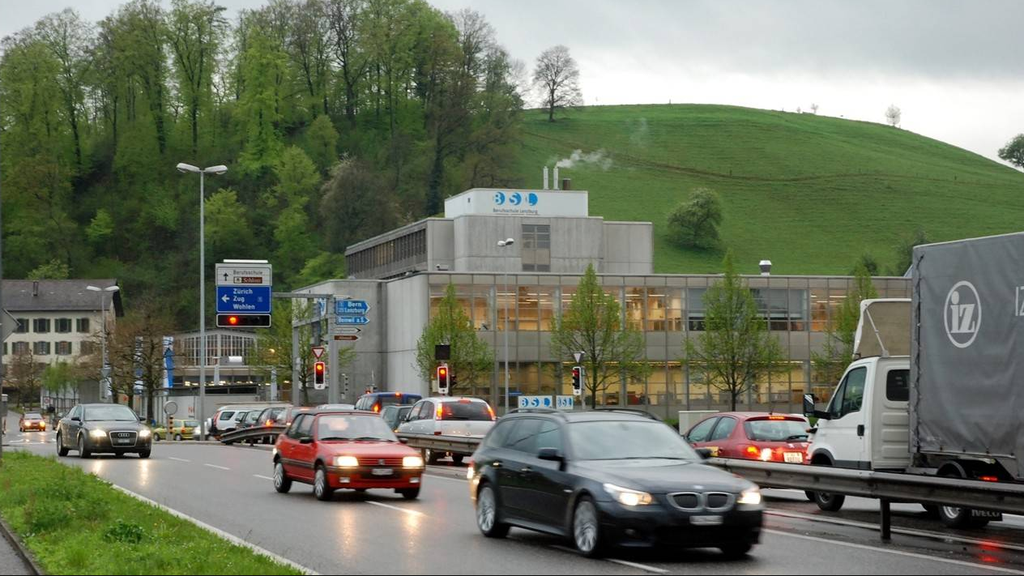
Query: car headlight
[[98, 434], [412, 462], [346, 462], [145, 434], [628, 497], [750, 497]]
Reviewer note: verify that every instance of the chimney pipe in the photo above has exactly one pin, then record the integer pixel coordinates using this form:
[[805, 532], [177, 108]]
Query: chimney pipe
[[566, 183], [545, 178], [766, 267], [555, 181], [35, 288]]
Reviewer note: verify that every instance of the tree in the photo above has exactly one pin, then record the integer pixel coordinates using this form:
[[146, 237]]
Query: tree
[[694, 223], [196, 28], [25, 374], [472, 359], [905, 251], [592, 324], [228, 233], [136, 352], [52, 270], [893, 115], [869, 263], [814, 109], [356, 203], [321, 143], [61, 377], [1013, 152], [557, 78], [735, 350], [841, 329]]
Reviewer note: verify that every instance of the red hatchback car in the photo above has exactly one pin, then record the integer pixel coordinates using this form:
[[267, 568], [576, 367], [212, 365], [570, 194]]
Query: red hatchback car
[[333, 449], [753, 436], [32, 421]]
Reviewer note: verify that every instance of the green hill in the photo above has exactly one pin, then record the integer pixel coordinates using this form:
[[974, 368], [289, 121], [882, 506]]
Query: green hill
[[811, 193]]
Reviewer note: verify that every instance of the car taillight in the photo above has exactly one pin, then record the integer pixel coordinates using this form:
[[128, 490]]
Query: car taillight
[[990, 479], [752, 452], [376, 409], [491, 412], [440, 412]]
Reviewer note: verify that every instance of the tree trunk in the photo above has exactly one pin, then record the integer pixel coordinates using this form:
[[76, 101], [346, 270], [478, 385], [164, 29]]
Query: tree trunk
[[434, 186], [551, 107]]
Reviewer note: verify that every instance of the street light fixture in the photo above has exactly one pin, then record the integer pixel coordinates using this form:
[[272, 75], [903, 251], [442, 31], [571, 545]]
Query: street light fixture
[[105, 368], [506, 244], [219, 169]]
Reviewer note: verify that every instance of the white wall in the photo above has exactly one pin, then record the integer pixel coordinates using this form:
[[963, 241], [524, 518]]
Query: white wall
[[408, 311]]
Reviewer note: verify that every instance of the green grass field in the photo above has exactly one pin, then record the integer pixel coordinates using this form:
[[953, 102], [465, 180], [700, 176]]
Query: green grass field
[[811, 193]]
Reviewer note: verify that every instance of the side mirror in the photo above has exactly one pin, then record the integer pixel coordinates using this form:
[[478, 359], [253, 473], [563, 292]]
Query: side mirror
[[704, 453], [550, 455], [403, 440], [808, 405], [306, 440], [76, 419]]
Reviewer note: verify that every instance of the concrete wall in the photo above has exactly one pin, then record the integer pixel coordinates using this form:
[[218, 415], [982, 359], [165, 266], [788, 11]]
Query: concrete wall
[[628, 248], [575, 243], [408, 314], [440, 245]]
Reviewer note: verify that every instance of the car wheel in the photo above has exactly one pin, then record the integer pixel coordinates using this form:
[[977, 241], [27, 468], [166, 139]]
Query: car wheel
[[457, 459], [931, 510], [82, 452], [430, 457], [282, 483], [145, 454], [736, 551], [586, 528], [177, 438], [956, 517], [410, 494], [61, 450], [828, 502], [809, 495], [321, 489], [156, 437], [487, 514]]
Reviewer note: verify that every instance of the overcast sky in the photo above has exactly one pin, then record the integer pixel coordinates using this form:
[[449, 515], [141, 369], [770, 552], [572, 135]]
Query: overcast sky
[[954, 67]]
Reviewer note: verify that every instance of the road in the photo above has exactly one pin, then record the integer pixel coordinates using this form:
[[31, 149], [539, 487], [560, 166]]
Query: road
[[378, 532]]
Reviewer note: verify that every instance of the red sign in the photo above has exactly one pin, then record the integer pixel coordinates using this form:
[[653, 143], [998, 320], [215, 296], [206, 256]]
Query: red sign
[[318, 351], [347, 337]]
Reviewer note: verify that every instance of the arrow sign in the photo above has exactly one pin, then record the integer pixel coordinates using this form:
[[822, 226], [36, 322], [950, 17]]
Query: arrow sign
[[351, 308], [243, 299], [7, 326], [349, 330], [318, 351], [356, 320]]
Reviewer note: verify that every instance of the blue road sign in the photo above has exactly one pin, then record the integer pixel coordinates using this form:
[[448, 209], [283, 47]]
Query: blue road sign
[[243, 299], [356, 320], [351, 307]]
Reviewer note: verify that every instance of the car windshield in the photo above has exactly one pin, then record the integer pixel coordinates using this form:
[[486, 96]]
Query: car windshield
[[33, 417], [626, 440], [110, 414], [346, 427], [776, 430], [465, 410], [190, 424]]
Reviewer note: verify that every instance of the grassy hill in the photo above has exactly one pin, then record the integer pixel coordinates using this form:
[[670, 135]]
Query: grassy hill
[[811, 193]]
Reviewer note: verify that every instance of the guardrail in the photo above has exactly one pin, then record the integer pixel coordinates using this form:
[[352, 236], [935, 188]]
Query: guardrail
[[887, 487], [252, 434], [454, 444]]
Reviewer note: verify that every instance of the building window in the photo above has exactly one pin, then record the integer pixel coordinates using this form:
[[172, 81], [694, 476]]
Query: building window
[[63, 325], [529, 309], [22, 327], [546, 297], [41, 325], [64, 348], [20, 347], [82, 325], [87, 348], [674, 305], [536, 248], [635, 308], [41, 348], [5, 348], [695, 309]]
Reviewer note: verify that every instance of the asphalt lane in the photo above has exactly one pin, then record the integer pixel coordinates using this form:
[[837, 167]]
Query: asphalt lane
[[379, 532]]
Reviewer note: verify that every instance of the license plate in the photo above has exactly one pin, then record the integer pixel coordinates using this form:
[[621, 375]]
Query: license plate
[[793, 458], [706, 520], [123, 442], [383, 471]]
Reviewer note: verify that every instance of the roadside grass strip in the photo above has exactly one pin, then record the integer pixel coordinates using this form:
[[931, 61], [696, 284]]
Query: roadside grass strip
[[75, 523]]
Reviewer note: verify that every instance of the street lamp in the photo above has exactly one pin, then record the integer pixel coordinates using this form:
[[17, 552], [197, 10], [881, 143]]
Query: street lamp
[[105, 369], [506, 244], [219, 169]]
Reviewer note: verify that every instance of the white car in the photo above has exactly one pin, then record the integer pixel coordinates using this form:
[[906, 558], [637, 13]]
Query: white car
[[449, 416]]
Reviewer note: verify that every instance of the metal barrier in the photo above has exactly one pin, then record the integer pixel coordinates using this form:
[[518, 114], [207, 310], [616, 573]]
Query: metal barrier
[[887, 487], [454, 444], [252, 434]]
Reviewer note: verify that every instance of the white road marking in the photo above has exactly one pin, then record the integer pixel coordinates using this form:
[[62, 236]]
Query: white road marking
[[263, 477], [229, 537], [903, 531], [396, 508], [217, 467], [643, 567], [894, 552], [445, 478], [178, 459]]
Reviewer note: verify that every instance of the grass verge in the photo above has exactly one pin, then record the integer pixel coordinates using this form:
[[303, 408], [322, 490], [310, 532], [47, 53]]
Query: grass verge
[[75, 523]]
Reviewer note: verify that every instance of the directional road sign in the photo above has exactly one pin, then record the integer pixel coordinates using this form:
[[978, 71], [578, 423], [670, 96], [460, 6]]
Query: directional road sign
[[7, 326], [346, 337], [349, 330], [535, 402], [351, 307], [352, 320], [229, 274], [243, 299]]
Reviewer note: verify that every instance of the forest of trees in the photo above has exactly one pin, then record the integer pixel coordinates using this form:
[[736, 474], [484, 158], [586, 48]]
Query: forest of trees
[[338, 120]]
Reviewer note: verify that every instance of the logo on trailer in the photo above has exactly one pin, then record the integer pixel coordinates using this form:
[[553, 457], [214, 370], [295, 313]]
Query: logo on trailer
[[515, 199], [499, 198], [963, 315]]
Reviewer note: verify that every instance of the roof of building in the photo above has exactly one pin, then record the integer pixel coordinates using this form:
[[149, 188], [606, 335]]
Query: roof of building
[[56, 295]]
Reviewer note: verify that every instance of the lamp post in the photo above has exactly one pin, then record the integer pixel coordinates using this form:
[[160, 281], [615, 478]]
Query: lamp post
[[505, 244], [219, 169], [105, 368]]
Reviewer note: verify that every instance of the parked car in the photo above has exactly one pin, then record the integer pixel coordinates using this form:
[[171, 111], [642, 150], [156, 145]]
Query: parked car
[[225, 419], [607, 477], [395, 414], [345, 449], [336, 407], [270, 416], [250, 419], [753, 436], [179, 430], [449, 416], [103, 428], [376, 401], [32, 421]]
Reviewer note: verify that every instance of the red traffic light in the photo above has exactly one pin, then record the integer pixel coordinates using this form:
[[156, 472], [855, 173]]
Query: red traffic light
[[233, 320], [319, 367], [243, 320], [442, 371], [576, 372]]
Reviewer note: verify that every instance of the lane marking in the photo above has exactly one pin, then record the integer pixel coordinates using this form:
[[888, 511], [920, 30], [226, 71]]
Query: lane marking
[[635, 565], [263, 477], [903, 531], [178, 459], [217, 531], [446, 478], [217, 467], [396, 508], [894, 552]]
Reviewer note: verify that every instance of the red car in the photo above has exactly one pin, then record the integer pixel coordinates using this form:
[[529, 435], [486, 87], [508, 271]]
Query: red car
[[352, 450], [32, 421], [753, 436]]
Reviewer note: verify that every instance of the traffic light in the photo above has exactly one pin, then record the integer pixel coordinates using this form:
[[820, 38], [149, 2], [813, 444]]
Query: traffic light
[[442, 379], [577, 380], [319, 374], [243, 320]]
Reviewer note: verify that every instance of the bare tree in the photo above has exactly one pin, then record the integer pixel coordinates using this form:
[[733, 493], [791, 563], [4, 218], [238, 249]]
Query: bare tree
[[814, 109], [893, 115], [557, 78]]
